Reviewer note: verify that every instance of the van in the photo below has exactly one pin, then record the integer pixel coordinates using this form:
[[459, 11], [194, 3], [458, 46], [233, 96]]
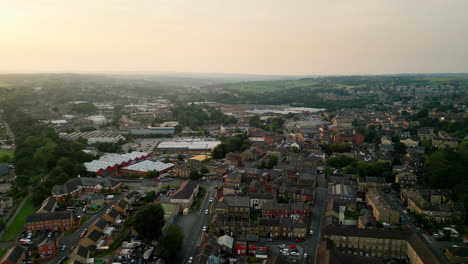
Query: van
[[110, 196]]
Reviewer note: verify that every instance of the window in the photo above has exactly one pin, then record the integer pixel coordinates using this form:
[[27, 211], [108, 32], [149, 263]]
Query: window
[[49, 252]]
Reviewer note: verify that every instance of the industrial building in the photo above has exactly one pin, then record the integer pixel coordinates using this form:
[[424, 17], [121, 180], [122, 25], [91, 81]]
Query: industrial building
[[110, 163], [146, 166], [194, 146]]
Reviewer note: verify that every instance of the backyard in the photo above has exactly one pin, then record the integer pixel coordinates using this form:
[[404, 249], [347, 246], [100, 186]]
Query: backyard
[[18, 223]]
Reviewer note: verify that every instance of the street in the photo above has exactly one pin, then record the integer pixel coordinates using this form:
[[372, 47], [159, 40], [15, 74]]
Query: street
[[193, 222]]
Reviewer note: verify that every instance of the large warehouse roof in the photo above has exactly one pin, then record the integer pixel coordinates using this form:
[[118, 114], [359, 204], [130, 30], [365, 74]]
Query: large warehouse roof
[[149, 165], [188, 145], [110, 160]]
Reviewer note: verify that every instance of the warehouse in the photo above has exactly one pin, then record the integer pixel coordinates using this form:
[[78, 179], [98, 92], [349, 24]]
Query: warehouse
[[143, 167], [194, 146], [110, 163]]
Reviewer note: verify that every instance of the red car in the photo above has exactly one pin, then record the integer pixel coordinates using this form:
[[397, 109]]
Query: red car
[[123, 190], [292, 246], [84, 233], [156, 179], [298, 240], [408, 227]]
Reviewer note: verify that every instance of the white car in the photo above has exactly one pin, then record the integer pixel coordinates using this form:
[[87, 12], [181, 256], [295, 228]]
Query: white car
[[305, 255], [311, 232], [211, 200], [190, 260], [282, 246], [29, 235], [294, 253], [204, 228], [207, 212], [284, 253]]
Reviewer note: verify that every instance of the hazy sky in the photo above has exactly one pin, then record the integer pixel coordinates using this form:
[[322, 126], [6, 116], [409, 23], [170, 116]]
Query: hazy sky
[[241, 36]]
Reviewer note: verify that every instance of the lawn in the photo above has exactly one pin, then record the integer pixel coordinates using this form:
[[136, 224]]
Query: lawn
[[8, 152], [18, 223], [4, 84], [3, 251]]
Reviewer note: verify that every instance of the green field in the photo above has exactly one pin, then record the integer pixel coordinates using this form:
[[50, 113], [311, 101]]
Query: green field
[[271, 86], [4, 84], [18, 223], [8, 152], [3, 251], [442, 79]]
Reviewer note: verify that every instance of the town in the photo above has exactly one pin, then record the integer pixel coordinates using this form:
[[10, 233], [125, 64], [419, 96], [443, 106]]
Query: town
[[333, 170]]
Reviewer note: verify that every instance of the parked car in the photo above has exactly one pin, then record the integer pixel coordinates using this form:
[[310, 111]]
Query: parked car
[[211, 200], [50, 234], [29, 235], [294, 253], [408, 227], [83, 233], [311, 232], [207, 211], [298, 240], [190, 260], [26, 241], [282, 246], [63, 247], [292, 246], [305, 255], [204, 228]]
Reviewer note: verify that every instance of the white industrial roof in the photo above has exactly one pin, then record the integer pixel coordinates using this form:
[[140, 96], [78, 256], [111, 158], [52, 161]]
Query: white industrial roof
[[193, 144], [110, 160], [148, 165]]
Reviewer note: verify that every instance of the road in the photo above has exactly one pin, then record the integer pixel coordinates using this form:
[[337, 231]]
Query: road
[[73, 239], [193, 222]]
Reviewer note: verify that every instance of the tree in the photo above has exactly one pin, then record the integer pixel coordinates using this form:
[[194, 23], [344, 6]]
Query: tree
[[148, 221], [171, 243], [180, 157], [327, 171], [295, 149], [195, 175], [152, 174], [245, 188], [272, 161], [39, 194], [149, 197], [204, 170], [399, 148], [340, 161]]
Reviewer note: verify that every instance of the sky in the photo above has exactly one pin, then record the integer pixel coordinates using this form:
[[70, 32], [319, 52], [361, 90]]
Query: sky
[[281, 37]]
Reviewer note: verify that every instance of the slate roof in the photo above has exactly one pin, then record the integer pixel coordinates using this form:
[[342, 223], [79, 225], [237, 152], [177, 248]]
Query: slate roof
[[51, 202], [113, 213], [95, 235], [82, 252], [237, 201], [101, 223], [185, 191], [74, 184], [60, 215]]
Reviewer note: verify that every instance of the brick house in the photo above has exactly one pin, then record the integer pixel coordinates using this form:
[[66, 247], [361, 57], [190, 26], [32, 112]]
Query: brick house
[[54, 221], [113, 216], [80, 185], [48, 247], [283, 210], [354, 138], [122, 206]]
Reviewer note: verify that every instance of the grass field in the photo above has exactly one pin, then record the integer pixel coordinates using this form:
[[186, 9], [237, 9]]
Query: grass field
[[3, 251], [4, 84], [18, 223], [443, 79], [271, 86], [8, 152]]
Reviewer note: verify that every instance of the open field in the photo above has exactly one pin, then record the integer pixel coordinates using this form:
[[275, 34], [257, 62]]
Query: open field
[[271, 86], [8, 152], [4, 84], [18, 224]]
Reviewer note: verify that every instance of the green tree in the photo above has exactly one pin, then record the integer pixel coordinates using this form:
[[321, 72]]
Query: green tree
[[180, 157], [204, 170], [148, 221], [327, 171], [195, 175], [295, 149], [399, 148], [150, 197], [152, 174], [272, 161], [171, 243], [245, 188]]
